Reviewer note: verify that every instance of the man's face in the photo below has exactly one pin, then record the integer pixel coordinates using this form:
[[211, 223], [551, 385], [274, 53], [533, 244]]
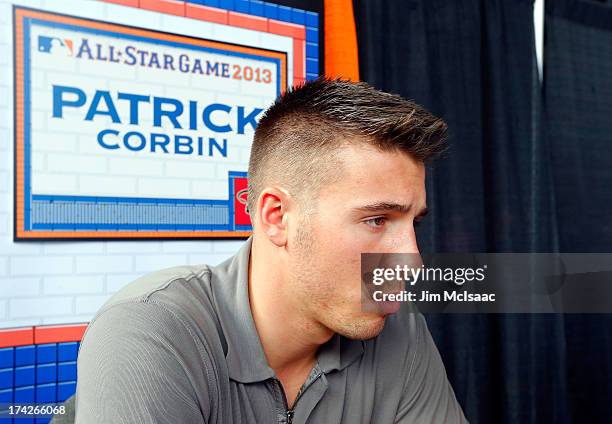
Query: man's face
[[371, 209]]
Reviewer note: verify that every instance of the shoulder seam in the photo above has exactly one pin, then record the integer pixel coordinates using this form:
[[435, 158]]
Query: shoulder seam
[[145, 296], [187, 277]]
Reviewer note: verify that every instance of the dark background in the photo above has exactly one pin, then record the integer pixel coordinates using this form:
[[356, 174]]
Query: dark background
[[529, 170]]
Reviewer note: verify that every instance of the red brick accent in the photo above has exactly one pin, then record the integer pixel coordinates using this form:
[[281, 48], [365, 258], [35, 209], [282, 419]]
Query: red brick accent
[[16, 337], [287, 29], [299, 58], [131, 3], [59, 333], [298, 81], [247, 21], [205, 13], [172, 7]]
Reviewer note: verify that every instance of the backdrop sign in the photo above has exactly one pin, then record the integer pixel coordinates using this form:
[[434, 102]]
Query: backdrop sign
[[129, 132]]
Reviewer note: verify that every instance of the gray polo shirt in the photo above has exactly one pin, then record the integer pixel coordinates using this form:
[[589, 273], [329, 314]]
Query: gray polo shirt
[[180, 346]]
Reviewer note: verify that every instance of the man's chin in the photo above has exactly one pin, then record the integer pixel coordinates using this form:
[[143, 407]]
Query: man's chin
[[367, 328]]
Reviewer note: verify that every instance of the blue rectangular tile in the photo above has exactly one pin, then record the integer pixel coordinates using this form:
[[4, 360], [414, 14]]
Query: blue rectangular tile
[[65, 390], [46, 373], [298, 16], [312, 19], [69, 227], [6, 396], [46, 393], [6, 378], [67, 371], [211, 3], [257, 8], [46, 353], [24, 421], [43, 420], [271, 10], [312, 50], [24, 376], [24, 394], [25, 355], [284, 13], [226, 4], [67, 351], [310, 77], [196, 1], [242, 6], [7, 357], [312, 66], [312, 35]]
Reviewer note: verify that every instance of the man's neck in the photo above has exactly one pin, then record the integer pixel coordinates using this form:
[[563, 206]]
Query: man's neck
[[289, 338]]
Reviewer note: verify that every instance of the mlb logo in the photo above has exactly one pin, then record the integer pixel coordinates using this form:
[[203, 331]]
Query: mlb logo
[[241, 214], [54, 45]]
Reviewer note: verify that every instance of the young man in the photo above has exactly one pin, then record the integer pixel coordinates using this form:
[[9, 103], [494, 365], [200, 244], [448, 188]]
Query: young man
[[277, 334]]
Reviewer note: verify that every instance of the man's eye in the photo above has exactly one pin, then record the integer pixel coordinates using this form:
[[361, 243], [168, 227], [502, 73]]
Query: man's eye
[[377, 222]]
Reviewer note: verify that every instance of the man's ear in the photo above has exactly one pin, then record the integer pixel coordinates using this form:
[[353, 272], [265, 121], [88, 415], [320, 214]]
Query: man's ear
[[272, 207]]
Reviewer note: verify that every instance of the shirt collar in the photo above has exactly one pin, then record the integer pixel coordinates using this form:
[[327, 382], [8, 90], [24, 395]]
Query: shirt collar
[[245, 357]]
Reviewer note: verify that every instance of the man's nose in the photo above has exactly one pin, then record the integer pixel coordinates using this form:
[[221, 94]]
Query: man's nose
[[406, 242], [403, 251]]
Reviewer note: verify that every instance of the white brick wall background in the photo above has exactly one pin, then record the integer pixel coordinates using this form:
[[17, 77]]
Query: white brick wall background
[[66, 282]]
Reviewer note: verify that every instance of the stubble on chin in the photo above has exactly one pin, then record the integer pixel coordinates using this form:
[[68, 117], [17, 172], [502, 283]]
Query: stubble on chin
[[361, 329]]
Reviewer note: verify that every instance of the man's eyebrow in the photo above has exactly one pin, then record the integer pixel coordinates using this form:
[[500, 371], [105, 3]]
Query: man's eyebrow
[[389, 207]]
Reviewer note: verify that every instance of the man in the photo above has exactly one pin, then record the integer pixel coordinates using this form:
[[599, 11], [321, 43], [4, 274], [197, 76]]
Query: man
[[278, 333]]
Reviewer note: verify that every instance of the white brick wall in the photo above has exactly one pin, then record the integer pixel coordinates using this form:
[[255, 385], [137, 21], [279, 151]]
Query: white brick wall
[[97, 263], [56, 282], [51, 305], [66, 282], [81, 284], [41, 265]]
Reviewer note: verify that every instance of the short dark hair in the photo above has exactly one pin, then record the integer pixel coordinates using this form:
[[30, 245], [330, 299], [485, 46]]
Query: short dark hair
[[296, 138]]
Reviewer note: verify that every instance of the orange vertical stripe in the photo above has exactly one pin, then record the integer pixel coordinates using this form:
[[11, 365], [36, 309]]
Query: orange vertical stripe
[[341, 59]]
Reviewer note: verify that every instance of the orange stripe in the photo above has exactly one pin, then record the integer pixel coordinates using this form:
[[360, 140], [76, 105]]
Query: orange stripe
[[12, 337], [171, 7], [16, 337], [19, 103], [341, 58], [299, 65], [205, 13], [130, 3], [242, 20], [59, 333], [287, 29], [283, 84]]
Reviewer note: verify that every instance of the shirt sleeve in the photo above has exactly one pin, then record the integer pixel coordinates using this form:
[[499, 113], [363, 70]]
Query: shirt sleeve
[[428, 396], [135, 365]]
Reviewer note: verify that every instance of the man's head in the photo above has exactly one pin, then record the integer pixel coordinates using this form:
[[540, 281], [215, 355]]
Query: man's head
[[336, 170]]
